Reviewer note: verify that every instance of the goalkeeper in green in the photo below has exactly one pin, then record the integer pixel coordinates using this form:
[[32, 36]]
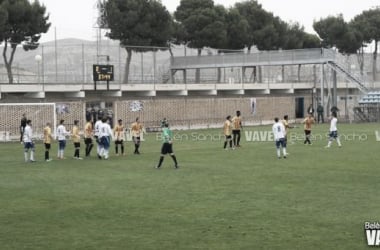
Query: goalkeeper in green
[[167, 146]]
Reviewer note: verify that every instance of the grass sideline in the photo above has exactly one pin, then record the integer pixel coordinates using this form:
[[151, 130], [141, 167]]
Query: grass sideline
[[242, 199]]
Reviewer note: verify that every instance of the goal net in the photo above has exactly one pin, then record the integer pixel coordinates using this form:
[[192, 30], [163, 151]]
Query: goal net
[[38, 113]]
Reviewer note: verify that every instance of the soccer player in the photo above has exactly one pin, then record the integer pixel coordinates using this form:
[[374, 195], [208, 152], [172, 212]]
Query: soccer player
[[28, 142], [119, 137], [167, 146], [22, 127], [279, 137], [236, 127], [227, 131], [333, 130], [105, 136], [308, 121], [47, 141], [88, 136], [287, 126], [76, 140], [61, 137], [136, 129], [97, 138]]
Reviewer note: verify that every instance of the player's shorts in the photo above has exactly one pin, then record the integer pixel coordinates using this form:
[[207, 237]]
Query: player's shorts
[[47, 146], [136, 139], [105, 142], [281, 142], [117, 142], [28, 145], [228, 137], [62, 144], [307, 132], [77, 144], [333, 134], [236, 131], [87, 141], [167, 148]]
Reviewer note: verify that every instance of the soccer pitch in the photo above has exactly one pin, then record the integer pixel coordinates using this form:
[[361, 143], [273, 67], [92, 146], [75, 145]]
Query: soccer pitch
[[246, 198]]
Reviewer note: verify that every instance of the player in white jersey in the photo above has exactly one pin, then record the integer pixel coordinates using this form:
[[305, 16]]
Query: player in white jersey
[[279, 137], [61, 138], [96, 135], [28, 141], [333, 130], [105, 135]]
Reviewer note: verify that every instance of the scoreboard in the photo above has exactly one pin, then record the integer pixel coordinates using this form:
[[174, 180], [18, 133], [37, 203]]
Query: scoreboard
[[102, 72]]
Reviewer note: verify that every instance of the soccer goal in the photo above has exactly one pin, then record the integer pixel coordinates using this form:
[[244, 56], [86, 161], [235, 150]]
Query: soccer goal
[[38, 113]]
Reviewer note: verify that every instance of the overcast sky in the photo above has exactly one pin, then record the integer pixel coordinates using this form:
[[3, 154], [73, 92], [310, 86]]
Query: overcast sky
[[77, 18]]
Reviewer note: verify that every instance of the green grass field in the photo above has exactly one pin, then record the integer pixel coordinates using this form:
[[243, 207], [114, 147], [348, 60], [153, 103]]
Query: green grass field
[[240, 199]]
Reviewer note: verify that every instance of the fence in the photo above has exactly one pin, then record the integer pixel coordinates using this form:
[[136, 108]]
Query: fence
[[71, 61]]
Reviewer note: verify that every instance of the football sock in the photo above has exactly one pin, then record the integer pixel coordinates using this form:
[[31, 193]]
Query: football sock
[[122, 148], [230, 144], [89, 149], [46, 154], [338, 141], [174, 159], [284, 151], [225, 144], [26, 156], [32, 155], [160, 161], [116, 149], [278, 153]]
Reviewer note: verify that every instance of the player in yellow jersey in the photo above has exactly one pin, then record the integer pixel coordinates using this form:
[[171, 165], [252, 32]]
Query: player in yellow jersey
[[118, 133], [287, 126], [76, 139], [136, 129], [236, 127], [47, 140], [88, 133], [308, 121], [227, 131]]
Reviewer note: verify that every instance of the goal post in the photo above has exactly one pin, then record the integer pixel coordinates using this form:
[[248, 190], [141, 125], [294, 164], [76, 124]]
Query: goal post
[[38, 113]]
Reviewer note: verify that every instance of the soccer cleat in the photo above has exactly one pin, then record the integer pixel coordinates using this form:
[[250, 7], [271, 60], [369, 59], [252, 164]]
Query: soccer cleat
[[99, 157], [284, 156], [176, 166], [47, 160], [157, 167]]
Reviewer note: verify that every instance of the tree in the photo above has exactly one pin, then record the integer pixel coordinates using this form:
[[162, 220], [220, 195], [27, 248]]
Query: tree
[[237, 30], [203, 25], [346, 37], [22, 23], [368, 23], [139, 25], [261, 25], [331, 30]]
